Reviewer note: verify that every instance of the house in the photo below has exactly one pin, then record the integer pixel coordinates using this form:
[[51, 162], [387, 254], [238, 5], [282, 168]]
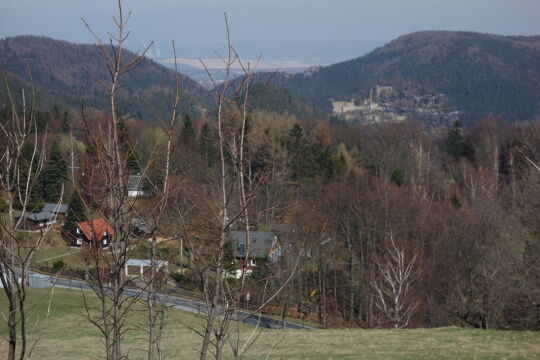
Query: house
[[60, 210], [36, 221], [139, 270], [259, 246], [49, 214], [262, 245], [91, 232], [140, 228], [135, 186]]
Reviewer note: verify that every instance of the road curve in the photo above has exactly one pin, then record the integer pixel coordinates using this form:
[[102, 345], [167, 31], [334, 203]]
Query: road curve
[[193, 306]]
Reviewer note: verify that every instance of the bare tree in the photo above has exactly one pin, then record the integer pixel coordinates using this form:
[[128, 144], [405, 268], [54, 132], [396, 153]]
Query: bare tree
[[108, 179], [397, 270], [226, 207], [21, 162]]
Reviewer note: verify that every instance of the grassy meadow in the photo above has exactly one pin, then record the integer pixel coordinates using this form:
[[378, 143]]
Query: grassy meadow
[[62, 333]]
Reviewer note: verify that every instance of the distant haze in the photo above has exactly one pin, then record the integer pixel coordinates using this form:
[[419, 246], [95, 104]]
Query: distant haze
[[287, 32]]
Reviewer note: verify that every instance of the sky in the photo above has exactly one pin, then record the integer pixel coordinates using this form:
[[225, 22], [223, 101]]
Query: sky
[[298, 28]]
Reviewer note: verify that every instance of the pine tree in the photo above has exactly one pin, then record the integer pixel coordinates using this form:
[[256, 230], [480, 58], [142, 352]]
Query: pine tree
[[296, 146], [455, 144], [398, 177], [65, 122], [125, 142], [188, 133], [54, 175], [206, 144], [76, 211]]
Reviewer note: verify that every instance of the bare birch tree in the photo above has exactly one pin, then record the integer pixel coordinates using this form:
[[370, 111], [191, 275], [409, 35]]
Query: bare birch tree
[[397, 271]]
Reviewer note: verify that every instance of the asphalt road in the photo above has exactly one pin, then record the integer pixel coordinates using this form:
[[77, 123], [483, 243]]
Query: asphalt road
[[194, 307]]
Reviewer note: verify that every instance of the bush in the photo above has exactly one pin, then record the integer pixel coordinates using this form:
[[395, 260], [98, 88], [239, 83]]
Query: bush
[[398, 177], [58, 265], [3, 205], [177, 277]]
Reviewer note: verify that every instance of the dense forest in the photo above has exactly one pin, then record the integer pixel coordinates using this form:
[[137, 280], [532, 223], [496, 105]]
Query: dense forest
[[389, 225], [459, 205], [64, 74], [253, 207]]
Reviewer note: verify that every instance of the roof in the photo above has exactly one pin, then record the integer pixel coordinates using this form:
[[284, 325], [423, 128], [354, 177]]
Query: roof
[[41, 216], [259, 246], [140, 225], [143, 262], [55, 208], [134, 183], [94, 229]]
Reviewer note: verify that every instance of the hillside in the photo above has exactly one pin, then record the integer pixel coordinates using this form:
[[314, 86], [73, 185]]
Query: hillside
[[480, 74], [63, 73]]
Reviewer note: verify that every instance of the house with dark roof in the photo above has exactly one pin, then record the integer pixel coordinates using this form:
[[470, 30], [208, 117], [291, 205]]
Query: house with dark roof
[[60, 210], [55, 208], [36, 221], [262, 245], [92, 233], [49, 214], [140, 228]]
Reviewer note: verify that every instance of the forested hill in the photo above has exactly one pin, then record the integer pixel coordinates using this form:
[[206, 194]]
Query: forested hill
[[481, 74], [63, 73]]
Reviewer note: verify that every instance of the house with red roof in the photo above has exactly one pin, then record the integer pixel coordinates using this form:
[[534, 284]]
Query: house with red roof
[[92, 233]]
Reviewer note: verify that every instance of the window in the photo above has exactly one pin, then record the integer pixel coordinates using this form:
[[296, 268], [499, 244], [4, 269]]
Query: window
[[241, 249], [104, 241], [79, 241], [78, 231]]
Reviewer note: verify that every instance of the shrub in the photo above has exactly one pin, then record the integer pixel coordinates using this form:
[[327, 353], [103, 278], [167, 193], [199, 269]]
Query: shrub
[[3, 205], [58, 265]]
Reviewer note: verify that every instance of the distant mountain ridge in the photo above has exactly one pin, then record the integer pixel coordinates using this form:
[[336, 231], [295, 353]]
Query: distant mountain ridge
[[481, 74], [65, 73]]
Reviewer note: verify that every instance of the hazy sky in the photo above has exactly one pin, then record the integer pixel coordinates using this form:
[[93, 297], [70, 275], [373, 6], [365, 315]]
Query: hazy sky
[[316, 21]]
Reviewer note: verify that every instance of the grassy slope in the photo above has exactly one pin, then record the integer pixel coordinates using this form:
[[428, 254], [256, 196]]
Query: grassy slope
[[64, 334]]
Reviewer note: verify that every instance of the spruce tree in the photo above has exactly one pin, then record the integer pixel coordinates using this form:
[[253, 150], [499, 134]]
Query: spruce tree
[[455, 144], [54, 175], [303, 155], [206, 144], [65, 122], [188, 133], [398, 177], [76, 211]]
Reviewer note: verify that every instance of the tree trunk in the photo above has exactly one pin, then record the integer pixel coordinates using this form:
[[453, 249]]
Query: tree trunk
[[12, 329]]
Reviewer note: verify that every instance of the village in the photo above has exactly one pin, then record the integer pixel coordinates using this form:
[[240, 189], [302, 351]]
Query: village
[[91, 235], [386, 104]]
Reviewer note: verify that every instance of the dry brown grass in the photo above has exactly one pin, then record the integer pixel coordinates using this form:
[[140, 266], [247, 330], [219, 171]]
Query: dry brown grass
[[64, 334]]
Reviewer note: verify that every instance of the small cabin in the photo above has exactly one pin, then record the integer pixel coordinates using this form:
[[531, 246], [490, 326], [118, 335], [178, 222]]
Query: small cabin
[[60, 210], [91, 233], [140, 228], [135, 186], [138, 271], [36, 221]]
